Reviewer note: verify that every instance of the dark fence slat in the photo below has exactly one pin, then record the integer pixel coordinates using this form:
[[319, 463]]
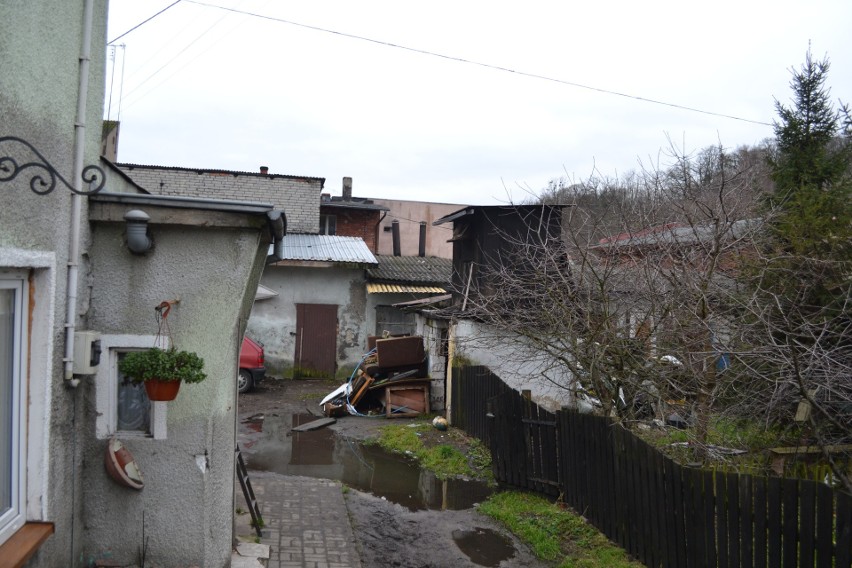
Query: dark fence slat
[[824, 526], [648, 502], [680, 521], [692, 483], [843, 548], [733, 492], [807, 523], [790, 524], [721, 519], [660, 505], [746, 521], [709, 514], [773, 503], [760, 522]]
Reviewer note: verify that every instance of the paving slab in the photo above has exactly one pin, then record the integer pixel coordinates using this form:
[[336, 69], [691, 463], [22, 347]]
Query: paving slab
[[306, 523]]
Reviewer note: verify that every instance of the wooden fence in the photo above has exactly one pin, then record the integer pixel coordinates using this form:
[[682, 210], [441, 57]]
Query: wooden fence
[[662, 513]]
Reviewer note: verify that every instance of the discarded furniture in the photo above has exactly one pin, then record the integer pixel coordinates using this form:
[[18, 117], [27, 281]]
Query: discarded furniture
[[405, 400]]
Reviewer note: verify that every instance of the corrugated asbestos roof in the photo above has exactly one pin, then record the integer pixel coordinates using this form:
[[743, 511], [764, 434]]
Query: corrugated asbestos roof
[[380, 288], [328, 248], [412, 270]]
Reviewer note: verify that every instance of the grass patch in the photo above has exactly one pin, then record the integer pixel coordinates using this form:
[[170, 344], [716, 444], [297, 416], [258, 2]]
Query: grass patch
[[553, 533], [739, 434], [446, 454]]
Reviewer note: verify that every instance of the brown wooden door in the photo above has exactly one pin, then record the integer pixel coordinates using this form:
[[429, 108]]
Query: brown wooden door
[[316, 340]]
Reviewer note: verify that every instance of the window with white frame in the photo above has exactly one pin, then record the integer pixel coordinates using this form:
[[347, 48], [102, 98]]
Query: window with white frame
[[13, 302], [123, 406], [328, 224]]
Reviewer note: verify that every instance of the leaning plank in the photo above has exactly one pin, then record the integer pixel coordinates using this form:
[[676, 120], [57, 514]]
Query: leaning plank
[[314, 425]]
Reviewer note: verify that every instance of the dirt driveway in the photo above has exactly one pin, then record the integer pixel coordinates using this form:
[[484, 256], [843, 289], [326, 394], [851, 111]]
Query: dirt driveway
[[388, 531]]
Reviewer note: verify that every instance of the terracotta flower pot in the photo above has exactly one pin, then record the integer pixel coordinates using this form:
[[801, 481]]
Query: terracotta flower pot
[[161, 390]]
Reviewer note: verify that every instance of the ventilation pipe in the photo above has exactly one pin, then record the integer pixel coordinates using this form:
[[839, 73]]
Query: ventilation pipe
[[396, 247], [347, 189], [277, 222], [421, 251], [138, 240]]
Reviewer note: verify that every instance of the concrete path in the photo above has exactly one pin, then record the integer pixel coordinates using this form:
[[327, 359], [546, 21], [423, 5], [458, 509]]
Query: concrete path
[[306, 524]]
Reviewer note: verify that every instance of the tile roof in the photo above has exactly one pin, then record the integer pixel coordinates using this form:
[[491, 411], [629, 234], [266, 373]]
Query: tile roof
[[412, 269], [328, 248]]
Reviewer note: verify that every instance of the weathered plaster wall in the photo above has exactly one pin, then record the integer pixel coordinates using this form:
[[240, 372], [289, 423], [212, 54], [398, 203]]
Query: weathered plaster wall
[[513, 360], [39, 43], [375, 300], [434, 333], [410, 214], [185, 509], [273, 321]]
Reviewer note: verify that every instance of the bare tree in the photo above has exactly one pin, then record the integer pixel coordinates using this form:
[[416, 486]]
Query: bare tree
[[645, 296]]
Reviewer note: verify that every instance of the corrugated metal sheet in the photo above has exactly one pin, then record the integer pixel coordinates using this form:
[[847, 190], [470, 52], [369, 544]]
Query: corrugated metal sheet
[[328, 248], [375, 288]]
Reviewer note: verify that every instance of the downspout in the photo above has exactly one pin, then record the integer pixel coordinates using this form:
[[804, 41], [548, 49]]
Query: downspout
[[377, 231], [77, 200]]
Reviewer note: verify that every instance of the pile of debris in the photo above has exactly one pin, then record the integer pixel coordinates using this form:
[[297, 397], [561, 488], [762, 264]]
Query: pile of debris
[[391, 379]]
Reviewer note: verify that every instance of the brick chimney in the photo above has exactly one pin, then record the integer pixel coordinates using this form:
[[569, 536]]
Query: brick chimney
[[264, 170], [347, 189]]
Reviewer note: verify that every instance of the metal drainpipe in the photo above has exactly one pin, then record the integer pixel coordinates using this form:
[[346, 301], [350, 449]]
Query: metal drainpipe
[[377, 232], [77, 200]]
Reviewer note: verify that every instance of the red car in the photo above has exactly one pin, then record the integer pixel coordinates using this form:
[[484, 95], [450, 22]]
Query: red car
[[252, 370]]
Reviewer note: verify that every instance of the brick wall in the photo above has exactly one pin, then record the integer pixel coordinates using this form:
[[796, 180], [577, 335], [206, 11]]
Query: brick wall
[[299, 197], [357, 224]]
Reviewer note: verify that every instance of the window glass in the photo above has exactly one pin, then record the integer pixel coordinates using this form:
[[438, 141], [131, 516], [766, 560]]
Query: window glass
[[328, 224], [7, 347], [12, 471], [133, 408]]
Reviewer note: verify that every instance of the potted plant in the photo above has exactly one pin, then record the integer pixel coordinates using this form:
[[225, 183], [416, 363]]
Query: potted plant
[[162, 371]]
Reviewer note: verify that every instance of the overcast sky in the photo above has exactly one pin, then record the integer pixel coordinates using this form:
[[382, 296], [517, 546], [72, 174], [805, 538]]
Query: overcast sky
[[291, 88]]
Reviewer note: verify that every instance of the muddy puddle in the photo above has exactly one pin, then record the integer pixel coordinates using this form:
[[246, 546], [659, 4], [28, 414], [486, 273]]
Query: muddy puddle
[[484, 547], [269, 445]]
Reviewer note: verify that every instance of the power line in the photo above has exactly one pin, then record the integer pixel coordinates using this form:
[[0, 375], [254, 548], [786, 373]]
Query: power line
[[478, 63], [144, 22]]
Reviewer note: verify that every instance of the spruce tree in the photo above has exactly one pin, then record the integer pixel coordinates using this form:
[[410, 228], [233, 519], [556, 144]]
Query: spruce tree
[[812, 220]]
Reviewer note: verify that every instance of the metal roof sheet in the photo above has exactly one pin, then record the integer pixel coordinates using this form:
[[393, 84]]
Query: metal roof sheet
[[379, 288], [328, 248]]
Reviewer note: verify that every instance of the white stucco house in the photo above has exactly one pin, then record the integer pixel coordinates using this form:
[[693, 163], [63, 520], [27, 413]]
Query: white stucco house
[[77, 291]]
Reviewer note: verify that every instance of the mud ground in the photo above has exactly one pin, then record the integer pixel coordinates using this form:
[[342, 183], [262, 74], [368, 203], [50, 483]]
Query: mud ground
[[389, 534]]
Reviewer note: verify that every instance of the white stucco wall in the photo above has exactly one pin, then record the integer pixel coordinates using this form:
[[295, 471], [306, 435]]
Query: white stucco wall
[[273, 321], [40, 43], [511, 358], [185, 508]]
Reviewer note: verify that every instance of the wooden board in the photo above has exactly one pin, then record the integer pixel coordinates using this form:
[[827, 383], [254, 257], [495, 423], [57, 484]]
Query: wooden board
[[315, 424]]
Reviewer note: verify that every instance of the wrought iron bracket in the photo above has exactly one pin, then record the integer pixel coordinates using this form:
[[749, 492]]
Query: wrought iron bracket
[[43, 176]]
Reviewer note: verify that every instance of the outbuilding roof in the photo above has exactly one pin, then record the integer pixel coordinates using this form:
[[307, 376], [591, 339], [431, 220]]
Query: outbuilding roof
[[412, 270], [327, 248]]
